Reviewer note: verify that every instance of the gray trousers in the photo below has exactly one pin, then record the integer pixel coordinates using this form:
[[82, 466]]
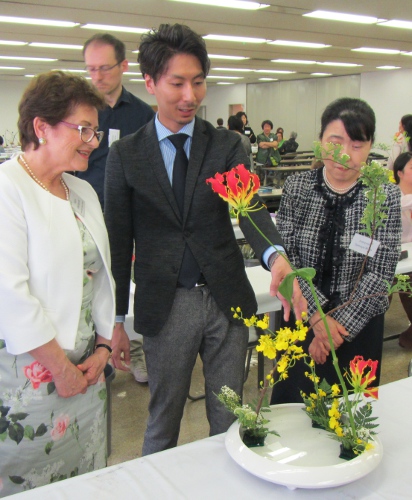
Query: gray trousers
[[195, 326]]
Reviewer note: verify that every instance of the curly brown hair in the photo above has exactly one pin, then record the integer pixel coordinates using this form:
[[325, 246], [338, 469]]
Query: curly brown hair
[[52, 97]]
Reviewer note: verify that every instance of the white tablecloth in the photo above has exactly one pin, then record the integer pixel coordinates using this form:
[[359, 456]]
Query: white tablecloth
[[204, 470]]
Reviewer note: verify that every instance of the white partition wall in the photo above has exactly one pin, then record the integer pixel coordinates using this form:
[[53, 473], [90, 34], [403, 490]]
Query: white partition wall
[[297, 105], [390, 95]]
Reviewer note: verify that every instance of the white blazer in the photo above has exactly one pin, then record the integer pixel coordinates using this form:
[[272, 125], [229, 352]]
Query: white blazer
[[41, 262]]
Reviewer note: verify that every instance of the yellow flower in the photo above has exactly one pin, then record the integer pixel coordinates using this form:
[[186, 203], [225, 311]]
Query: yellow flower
[[335, 389], [263, 323], [322, 394], [333, 423], [339, 431], [282, 364], [267, 346]]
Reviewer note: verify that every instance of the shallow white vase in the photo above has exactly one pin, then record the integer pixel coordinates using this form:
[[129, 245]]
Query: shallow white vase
[[303, 456]]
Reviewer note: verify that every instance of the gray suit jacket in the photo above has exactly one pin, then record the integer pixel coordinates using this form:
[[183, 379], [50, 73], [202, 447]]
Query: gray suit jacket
[[141, 208]]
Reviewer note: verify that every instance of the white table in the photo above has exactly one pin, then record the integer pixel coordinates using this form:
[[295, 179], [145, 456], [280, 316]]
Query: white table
[[260, 280], [203, 470]]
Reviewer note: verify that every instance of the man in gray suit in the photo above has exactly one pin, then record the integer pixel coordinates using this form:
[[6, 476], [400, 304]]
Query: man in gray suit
[[180, 317]]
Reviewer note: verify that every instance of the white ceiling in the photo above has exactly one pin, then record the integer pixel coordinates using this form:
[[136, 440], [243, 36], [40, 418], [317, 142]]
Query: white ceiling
[[281, 21]]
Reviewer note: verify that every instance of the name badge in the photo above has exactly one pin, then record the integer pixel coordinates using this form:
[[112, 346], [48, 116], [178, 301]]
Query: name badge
[[362, 244], [114, 135], [78, 204]]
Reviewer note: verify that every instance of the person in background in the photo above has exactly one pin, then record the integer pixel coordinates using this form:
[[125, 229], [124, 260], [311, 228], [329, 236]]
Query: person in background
[[57, 292], [267, 145], [187, 257], [2, 150], [320, 219], [281, 140], [220, 124], [402, 171], [402, 140], [247, 130], [234, 123], [105, 58], [290, 146]]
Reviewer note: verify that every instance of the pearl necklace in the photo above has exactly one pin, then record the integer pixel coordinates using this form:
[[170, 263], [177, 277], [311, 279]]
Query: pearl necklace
[[337, 190], [39, 182]]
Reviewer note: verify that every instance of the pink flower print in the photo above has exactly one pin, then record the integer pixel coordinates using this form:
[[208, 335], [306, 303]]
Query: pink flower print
[[37, 374], [60, 425]]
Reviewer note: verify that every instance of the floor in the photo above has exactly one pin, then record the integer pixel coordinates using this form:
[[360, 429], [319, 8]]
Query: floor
[[130, 399]]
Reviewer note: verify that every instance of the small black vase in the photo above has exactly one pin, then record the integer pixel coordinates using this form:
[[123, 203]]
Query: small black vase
[[315, 425], [347, 453], [251, 440]]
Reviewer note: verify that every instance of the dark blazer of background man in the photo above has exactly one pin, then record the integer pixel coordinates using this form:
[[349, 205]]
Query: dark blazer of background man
[[141, 208], [105, 58]]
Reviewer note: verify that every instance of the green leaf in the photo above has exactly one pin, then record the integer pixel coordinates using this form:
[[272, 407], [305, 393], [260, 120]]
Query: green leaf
[[48, 447], [51, 387], [17, 479], [16, 432], [41, 430], [4, 410], [74, 472], [4, 425], [102, 394], [286, 287], [15, 417], [29, 432], [307, 273]]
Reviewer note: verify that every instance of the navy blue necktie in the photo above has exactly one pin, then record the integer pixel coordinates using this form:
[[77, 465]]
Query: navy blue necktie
[[189, 271]]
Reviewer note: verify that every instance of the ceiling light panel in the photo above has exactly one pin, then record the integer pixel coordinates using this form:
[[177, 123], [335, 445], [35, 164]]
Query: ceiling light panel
[[394, 23], [56, 45], [308, 45], [231, 4], [241, 39], [372, 50], [292, 61], [109, 27], [37, 22], [341, 16]]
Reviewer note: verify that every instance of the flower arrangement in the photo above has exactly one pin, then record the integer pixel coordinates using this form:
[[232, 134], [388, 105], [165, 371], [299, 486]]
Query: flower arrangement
[[348, 419]]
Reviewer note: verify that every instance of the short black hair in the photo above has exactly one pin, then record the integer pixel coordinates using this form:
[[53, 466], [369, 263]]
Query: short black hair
[[159, 45], [107, 39], [357, 117], [267, 122], [235, 123], [239, 114], [220, 121], [400, 164]]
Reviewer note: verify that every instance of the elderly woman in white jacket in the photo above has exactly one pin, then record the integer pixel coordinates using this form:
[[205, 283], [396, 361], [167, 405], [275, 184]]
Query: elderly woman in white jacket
[[57, 292], [402, 171]]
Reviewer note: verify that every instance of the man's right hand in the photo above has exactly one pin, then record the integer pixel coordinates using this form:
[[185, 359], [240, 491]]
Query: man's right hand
[[121, 348]]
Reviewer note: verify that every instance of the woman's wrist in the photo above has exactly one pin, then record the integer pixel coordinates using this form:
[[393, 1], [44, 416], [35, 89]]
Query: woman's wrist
[[104, 346]]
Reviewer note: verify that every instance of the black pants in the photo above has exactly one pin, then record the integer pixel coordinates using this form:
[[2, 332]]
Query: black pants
[[368, 343]]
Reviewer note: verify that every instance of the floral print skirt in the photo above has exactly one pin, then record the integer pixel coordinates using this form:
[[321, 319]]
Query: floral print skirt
[[43, 437]]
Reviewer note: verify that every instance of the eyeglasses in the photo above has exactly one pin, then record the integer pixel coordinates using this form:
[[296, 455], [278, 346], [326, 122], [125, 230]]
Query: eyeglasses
[[86, 133], [103, 69]]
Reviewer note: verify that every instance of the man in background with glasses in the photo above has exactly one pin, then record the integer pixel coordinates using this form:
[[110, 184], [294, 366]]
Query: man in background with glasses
[[105, 58]]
